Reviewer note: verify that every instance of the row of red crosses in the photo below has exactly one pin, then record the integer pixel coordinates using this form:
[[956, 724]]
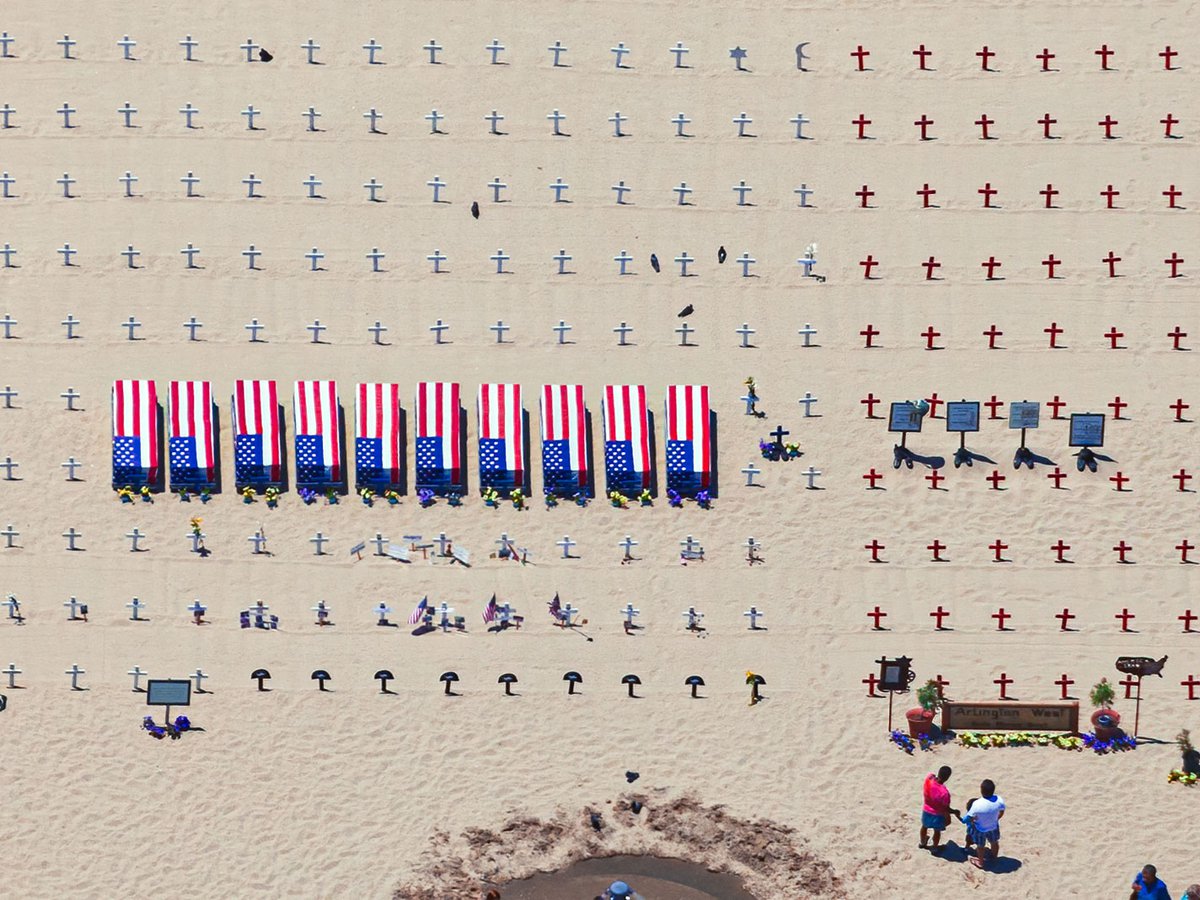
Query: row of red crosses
[[994, 405], [1060, 549], [991, 266], [1047, 121], [1064, 682], [1048, 195], [1065, 618], [997, 478], [985, 55], [1054, 330]]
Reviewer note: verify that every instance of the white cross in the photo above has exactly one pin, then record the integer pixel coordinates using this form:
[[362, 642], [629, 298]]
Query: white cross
[[251, 183], [66, 181], [807, 332], [741, 121], [312, 115], [433, 118], [804, 190], [557, 48], [683, 259], [629, 543], [6, 181], [134, 537], [382, 611], [444, 611], [616, 118], [442, 542], [683, 190], [499, 328], [683, 331], [136, 605], [569, 612], [249, 47], [556, 117], [129, 253], [316, 328], [693, 618], [497, 186], [437, 184], [372, 186], [318, 540], [12, 672], [505, 541], [190, 252], [494, 47], [620, 50], [191, 181], [321, 610], [8, 393], [623, 260], [66, 43], [690, 545], [679, 50], [188, 112], [259, 540], [70, 394], [495, 118], [433, 47], [741, 189], [811, 474], [799, 121], [197, 538], [252, 256], [310, 48], [566, 543], [75, 671], [187, 44], [72, 535], [807, 401], [562, 258], [380, 542], [314, 257], [622, 330], [5, 40], [372, 48], [74, 605], [14, 606], [5, 112], [8, 252], [131, 324], [8, 322], [621, 190], [127, 111], [750, 472], [312, 183], [8, 465], [129, 178], [500, 258], [753, 614], [751, 544], [71, 465], [437, 258], [374, 116], [807, 261], [562, 328], [259, 608], [197, 609], [437, 328], [377, 329], [680, 120], [745, 331], [198, 676], [250, 112], [629, 612], [67, 252]]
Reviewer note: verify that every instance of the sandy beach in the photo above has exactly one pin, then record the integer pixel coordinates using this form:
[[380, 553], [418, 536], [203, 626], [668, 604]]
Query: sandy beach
[[414, 794]]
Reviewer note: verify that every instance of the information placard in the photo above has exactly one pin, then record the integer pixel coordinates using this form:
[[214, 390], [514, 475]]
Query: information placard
[[1087, 430], [962, 415], [904, 417], [1007, 715], [1024, 414], [168, 692]]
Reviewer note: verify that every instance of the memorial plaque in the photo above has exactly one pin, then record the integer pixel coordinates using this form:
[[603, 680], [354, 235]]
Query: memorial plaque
[[168, 692], [962, 415], [895, 674], [1024, 414], [1005, 715], [904, 417], [1087, 430]]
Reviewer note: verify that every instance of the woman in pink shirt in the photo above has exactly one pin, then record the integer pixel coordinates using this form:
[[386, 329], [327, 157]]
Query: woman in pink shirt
[[936, 812]]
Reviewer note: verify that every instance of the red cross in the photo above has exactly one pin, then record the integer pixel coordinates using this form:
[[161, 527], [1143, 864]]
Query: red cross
[[1108, 194], [1060, 548], [1129, 683], [992, 406], [930, 264], [1175, 337], [926, 192], [995, 478], [874, 547], [991, 334], [1050, 262], [934, 478], [1124, 615], [1055, 405], [1045, 56], [1004, 681], [934, 402], [1187, 619], [869, 333], [1050, 192], [923, 123], [868, 264], [870, 681], [939, 614], [1107, 124], [991, 264], [1183, 478], [1113, 335], [942, 684], [1121, 549], [1167, 54], [1064, 683], [984, 55], [1058, 475], [1191, 684], [862, 55], [983, 122], [865, 194], [929, 334], [1104, 53], [1116, 405], [1179, 406], [877, 614], [1183, 549], [987, 190], [922, 53], [1054, 331], [937, 547], [1171, 193], [862, 122], [1064, 619], [872, 477], [870, 402], [1173, 261], [1112, 264], [998, 547], [1045, 121], [1167, 124], [1119, 480]]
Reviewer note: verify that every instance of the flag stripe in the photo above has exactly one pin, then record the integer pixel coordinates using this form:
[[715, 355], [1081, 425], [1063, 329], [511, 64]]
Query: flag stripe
[[251, 418], [191, 417], [135, 415], [316, 413], [564, 419], [438, 434], [689, 437], [377, 418], [626, 433]]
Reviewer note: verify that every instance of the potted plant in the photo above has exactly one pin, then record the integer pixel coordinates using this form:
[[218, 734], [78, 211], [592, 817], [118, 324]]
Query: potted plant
[[920, 718], [1106, 721]]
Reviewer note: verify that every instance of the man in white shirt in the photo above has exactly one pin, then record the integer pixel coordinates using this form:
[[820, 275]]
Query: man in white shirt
[[983, 822]]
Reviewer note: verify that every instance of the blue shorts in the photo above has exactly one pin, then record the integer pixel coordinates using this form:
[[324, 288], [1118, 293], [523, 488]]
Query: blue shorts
[[980, 837], [936, 821]]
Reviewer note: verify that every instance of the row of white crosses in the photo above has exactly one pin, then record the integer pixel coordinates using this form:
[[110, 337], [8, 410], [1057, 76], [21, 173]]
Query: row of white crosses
[[248, 51], [199, 676]]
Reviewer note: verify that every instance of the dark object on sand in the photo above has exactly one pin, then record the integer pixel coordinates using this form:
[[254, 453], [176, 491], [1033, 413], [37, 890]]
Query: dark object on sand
[[636, 806], [596, 820], [475, 209], [721, 254], [631, 777], [654, 262], [686, 311], [264, 56]]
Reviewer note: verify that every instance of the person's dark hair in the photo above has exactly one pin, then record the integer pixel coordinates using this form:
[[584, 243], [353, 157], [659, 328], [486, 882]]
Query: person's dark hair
[[1149, 870], [987, 788], [967, 807], [943, 773]]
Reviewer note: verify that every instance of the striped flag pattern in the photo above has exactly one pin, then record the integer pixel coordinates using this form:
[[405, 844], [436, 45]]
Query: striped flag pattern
[[489, 611], [318, 448], [689, 438], [418, 611], [257, 456], [135, 432], [438, 436], [627, 463], [190, 444], [501, 436], [378, 451], [565, 466]]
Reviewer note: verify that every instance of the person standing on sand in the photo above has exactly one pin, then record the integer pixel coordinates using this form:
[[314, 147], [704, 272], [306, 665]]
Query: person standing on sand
[[936, 812], [1148, 886], [983, 822]]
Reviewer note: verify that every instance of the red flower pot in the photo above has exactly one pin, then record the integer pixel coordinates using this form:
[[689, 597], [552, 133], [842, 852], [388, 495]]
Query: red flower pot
[[919, 721], [1106, 723]]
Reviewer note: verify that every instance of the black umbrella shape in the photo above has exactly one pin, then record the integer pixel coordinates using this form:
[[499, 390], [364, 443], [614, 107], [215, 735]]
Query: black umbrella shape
[[449, 678], [321, 676], [260, 675], [754, 681], [631, 680], [572, 679], [383, 676], [508, 679], [695, 681]]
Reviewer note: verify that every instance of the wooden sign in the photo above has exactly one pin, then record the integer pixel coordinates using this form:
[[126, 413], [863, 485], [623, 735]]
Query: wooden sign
[[1004, 715]]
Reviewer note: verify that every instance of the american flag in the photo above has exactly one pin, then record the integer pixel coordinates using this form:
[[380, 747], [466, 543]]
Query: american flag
[[489, 611], [135, 432], [564, 438], [318, 448], [689, 438], [257, 458], [438, 436], [555, 607], [418, 611], [378, 453], [190, 442], [501, 436], [627, 463]]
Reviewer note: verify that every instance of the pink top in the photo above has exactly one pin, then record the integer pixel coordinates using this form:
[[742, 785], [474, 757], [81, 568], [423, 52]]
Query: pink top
[[937, 796]]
